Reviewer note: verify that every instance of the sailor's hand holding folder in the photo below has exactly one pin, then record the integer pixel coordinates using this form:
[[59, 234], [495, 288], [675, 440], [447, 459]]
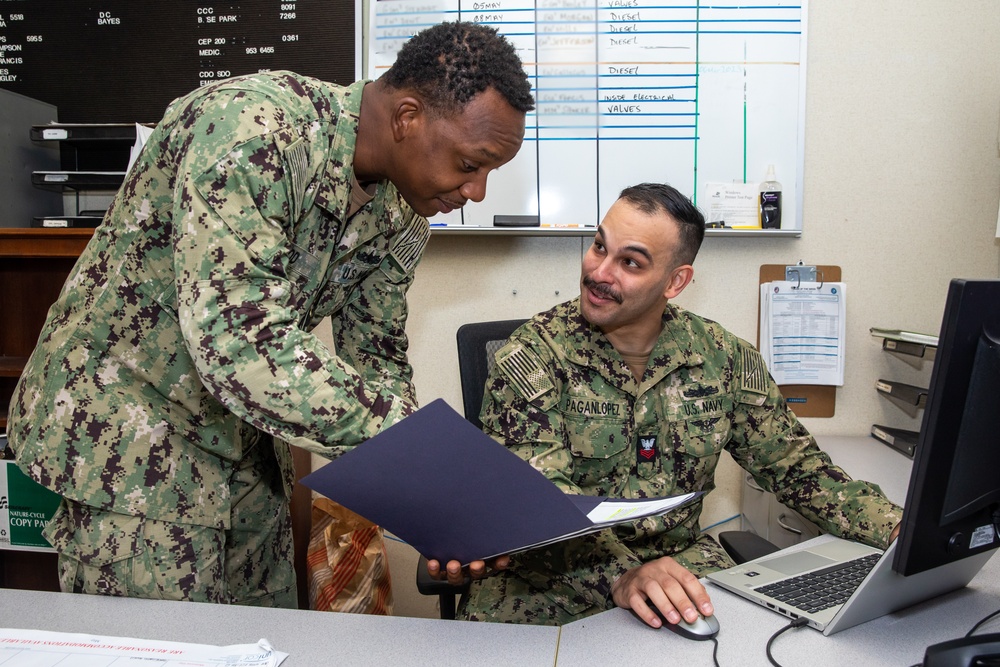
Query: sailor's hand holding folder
[[456, 574]]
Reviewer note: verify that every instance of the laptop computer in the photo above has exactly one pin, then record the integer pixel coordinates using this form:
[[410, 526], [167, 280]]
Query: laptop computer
[[779, 581]]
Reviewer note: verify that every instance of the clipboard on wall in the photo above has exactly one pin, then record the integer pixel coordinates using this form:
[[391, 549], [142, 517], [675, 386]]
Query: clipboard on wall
[[805, 400]]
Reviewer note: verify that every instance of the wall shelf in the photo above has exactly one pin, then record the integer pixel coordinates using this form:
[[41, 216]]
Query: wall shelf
[[911, 396]]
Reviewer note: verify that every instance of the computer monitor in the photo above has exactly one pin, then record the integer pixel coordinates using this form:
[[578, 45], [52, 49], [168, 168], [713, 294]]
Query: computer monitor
[[953, 503]]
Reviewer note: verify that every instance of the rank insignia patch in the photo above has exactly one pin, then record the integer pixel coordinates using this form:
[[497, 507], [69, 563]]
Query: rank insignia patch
[[646, 449]]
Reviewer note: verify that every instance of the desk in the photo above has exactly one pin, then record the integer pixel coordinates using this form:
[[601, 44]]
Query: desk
[[311, 638], [613, 637], [898, 639]]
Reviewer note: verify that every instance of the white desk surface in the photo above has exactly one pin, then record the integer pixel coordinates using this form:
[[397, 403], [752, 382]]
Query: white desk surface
[[611, 638], [311, 638], [898, 639]]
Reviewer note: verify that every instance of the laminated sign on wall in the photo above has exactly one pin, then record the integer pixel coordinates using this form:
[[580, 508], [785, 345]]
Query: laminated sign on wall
[[801, 334], [802, 331]]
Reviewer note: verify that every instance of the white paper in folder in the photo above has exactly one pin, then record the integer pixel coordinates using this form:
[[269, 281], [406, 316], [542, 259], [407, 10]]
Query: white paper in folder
[[802, 331]]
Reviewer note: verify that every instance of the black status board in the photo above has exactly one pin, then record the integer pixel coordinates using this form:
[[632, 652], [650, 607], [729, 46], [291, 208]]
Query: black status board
[[114, 61]]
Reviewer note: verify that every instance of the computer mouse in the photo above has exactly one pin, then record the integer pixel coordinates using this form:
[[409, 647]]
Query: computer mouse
[[705, 627]]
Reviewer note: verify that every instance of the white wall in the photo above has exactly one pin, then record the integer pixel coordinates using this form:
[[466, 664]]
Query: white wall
[[901, 189]]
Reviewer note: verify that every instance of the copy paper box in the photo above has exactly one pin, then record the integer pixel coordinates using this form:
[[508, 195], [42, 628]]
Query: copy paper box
[[25, 508]]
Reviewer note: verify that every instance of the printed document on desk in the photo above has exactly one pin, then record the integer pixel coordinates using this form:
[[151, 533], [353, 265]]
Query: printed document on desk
[[453, 493], [803, 332], [31, 648]]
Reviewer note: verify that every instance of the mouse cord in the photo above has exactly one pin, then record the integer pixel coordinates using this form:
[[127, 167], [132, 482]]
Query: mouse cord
[[982, 622], [715, 652], [797, 623], [974, 628]]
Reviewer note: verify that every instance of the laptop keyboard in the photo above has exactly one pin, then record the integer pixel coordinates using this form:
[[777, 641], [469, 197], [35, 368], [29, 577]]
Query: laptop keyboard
[[822, 589]]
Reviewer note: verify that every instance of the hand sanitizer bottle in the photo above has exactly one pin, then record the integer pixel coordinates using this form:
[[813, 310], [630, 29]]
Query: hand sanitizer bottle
[[770, 201]]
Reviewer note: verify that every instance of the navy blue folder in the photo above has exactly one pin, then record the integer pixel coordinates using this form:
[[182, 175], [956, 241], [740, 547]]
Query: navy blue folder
[[453, 493]]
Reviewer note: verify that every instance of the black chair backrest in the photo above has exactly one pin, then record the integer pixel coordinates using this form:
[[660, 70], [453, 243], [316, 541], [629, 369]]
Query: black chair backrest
[[478, 342]]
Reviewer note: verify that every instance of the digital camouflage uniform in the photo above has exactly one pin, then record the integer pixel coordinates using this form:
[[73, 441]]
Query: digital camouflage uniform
[[177, 365], [563, 399]]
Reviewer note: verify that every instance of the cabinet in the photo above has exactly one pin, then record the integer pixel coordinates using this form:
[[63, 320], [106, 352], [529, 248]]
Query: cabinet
[[765, 516], [34, 264], [858, 456], [909, 397]]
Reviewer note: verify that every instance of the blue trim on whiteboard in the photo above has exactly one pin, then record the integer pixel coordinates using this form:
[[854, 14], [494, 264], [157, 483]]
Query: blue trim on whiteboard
[[715, 7], [689, 75], [671, 126], [686, 75], [644, 32], [591, 77], [633, 101], [604, 138]]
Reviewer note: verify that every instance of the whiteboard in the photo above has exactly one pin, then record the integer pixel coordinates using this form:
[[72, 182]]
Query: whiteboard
[[628, 91]]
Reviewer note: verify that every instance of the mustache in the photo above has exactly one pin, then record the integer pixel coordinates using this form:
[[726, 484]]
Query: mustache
[[603, 290]]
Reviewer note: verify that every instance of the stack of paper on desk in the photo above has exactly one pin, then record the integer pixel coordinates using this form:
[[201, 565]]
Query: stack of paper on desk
[[453, 493]]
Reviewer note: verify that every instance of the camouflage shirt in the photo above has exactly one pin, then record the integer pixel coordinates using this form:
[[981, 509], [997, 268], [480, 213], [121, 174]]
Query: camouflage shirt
[[563, 399], [185, 325]]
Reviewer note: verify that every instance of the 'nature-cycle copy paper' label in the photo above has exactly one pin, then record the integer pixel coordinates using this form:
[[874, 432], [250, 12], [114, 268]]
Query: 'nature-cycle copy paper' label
[[25, 508]]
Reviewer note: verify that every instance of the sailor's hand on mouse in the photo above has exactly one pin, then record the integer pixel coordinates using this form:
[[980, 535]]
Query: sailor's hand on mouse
[[666, 584]]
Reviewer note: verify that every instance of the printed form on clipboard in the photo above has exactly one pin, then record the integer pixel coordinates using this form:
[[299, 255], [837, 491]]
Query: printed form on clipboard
[[802, 331]]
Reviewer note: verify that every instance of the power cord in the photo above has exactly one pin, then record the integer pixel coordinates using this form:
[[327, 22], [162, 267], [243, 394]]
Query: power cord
[[797, 623]]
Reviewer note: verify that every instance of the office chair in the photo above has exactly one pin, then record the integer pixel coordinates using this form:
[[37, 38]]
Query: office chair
[[742, 545], [478, 342]]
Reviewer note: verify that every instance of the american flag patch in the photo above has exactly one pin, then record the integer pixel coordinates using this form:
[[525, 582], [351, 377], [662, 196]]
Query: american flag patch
[[297, 161], [525, 373], [409, 245], [755, 378]]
